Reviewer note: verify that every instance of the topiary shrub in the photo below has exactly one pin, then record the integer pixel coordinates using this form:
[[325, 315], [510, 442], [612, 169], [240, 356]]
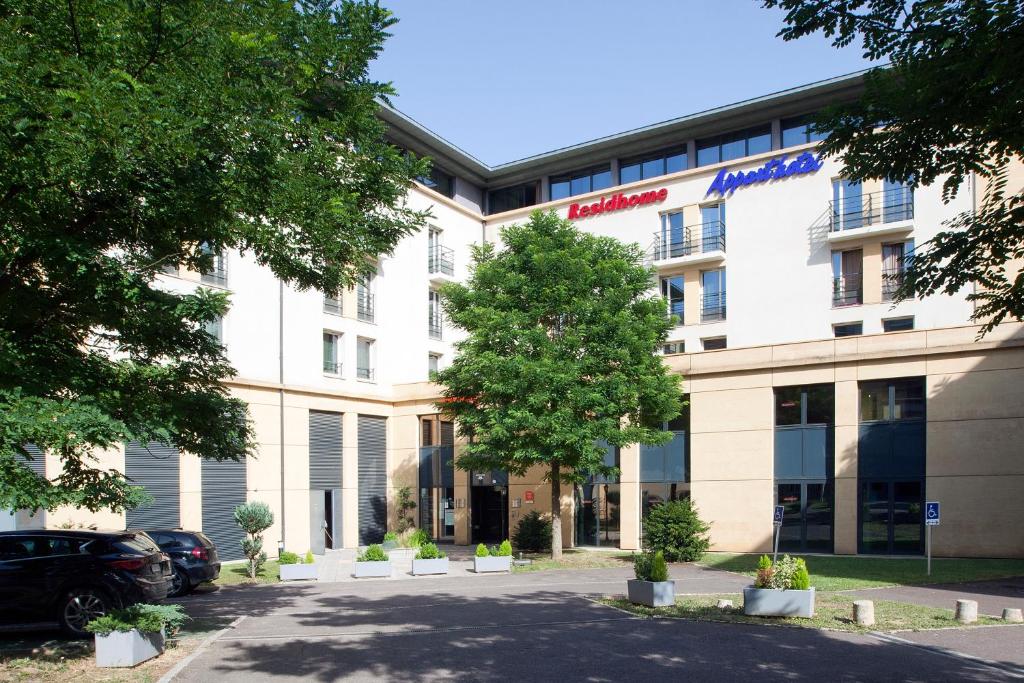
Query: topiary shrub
[[429, 551], [254, 518], [659, 568], [482, 551], [373, 553], [801, 578], [650, 566], [505, 549], [788, 573], [533, 533], [676, 530], [288, 558]]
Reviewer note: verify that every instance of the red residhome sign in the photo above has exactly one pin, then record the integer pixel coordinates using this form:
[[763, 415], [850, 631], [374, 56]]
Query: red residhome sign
[[616, 202]]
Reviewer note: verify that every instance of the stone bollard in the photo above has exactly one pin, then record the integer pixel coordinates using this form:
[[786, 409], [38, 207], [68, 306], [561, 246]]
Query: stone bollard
[[967, 611], [727, 604], [1013, 615], [864, 612]]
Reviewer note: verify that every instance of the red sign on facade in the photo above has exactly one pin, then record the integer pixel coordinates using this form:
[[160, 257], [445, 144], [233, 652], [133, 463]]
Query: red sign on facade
[[616, 202], [528, 496]]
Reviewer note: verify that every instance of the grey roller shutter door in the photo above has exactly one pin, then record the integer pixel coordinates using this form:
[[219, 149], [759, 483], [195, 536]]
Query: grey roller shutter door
[[223, 491], [156, 468], [38, 462], [324, 450], [373, 482]]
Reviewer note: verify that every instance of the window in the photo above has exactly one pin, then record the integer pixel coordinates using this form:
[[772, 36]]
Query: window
[[509, 198], [217, 273], [897, 201], [364, 298], [332, 353], [713, 302], [674, 238], [712, 219], [364, 358], [847, 279], [895, 258], [439, 181], [850, 207], [580, 182], [440, 259], [672, 289], [799, 131], [888, 400], [734, 145], [433, 363], [332, 304], [434, 319], [809, 405], [898, 324], [848, 329], [713, 343], [673, 347], [652, 165]]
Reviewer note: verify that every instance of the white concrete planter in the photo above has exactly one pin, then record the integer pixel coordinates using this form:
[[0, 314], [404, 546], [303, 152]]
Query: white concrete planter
[[127, 648], [492, 564], [372, 569], [402, 553], [651, 593], [298, 572], [435, 566], [770, 602]]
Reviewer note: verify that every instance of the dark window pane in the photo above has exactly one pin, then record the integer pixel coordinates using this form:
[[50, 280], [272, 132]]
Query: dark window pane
[[788, 496], [734, 149], [787, 406], [714, 344], [909, 400], [874, 401], [874, 517], [560, 189], [601, 180], [906, 517], [796, 135], [708, 153], [898, 325], [675, 163], [818, 516], [629, 174], [849, 329], [820, 405], [654, 168]]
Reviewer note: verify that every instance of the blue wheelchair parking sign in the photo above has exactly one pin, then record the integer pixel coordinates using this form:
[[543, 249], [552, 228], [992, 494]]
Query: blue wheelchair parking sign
[[931, 513], [778, 515]]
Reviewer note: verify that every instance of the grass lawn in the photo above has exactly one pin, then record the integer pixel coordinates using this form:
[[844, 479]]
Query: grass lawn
[[836, 573], [575, 559], [831, 611], [235, 574]]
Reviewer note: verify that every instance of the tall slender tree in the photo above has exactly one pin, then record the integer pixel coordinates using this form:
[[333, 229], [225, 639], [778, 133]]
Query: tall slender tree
[[139, 136], [561, 354]]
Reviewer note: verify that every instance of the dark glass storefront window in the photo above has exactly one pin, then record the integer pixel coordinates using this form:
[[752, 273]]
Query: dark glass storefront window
[[734, 145], [799, 131], [900, 399], [810, 405], [439, 181], [509, 198]]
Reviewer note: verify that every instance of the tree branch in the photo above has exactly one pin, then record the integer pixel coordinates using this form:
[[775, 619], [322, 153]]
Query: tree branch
[[74, 27]]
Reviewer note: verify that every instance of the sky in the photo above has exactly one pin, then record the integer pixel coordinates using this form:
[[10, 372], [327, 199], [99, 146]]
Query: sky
[[506, 79]]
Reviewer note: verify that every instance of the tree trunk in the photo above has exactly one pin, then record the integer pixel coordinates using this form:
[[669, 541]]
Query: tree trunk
[[556, 512]]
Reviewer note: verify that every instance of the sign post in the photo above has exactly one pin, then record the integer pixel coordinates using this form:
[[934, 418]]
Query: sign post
[[931, 518], [777, 523]]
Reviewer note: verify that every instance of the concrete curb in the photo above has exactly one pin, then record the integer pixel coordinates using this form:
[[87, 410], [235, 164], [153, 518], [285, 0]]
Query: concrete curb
[[177, 668], [1013, 671]]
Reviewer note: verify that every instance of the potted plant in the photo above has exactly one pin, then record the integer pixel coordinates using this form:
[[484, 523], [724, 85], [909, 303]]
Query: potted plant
[[429, 560], [373, 561], [651, 586], [782, 589], [292, 568], [390, 541], [493, 560], [129, 636]]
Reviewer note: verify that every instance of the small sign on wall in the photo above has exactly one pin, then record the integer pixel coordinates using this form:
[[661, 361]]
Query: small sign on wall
[[528, 496], [517, 502]]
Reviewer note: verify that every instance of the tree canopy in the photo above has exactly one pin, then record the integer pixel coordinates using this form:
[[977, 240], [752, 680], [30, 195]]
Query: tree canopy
[[560, 354], [951, 100], [140, 136]]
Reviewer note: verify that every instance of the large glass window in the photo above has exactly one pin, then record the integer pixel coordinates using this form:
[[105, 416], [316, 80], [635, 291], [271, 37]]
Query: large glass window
[[800, 131], [897, 201], [435, 319], [439, 181], [850, 209], [895, 259], [713, 304], [847, 277], [652, 165], [509, 198], [888, 400], [580, 182], [808, 405], [672, 289], [734, 145], [364, 358], [332, 353]]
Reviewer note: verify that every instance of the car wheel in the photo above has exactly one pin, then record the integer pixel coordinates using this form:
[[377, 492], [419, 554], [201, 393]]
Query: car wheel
[[79, 607], [180, 585]]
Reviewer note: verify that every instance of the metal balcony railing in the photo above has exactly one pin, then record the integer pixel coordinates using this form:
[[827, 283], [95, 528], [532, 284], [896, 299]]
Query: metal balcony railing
[[218, 274], [364, 306], [712, 307], [332, 367], [695, 239], [440, 259], [332, 304], [848, 290], [892, 280], [436, 326], [364, 373], [860, 211]]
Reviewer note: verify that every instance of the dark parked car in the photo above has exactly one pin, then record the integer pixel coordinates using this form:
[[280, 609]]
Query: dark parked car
[[72, 577], [194, 557]]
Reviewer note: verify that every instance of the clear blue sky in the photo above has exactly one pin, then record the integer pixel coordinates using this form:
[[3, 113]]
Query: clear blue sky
[[508, 79]]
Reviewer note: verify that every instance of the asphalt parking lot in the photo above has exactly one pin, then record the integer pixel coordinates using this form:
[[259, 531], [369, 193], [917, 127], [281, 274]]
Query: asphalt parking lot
[[546, 626]]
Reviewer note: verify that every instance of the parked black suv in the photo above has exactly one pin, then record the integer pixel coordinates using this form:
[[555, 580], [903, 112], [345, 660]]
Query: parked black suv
[[74, 576], [194, 557]]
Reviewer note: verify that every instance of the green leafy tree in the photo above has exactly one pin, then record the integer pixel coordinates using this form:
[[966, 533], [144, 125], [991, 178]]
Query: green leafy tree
[[562, 330], [136, 137], [950, 100], [254, 518]]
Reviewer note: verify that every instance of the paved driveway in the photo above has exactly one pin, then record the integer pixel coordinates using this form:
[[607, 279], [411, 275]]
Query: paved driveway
[[541, 626]]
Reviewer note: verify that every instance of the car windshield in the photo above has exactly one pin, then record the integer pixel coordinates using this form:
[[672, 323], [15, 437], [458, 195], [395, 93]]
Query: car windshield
[[135, 544]]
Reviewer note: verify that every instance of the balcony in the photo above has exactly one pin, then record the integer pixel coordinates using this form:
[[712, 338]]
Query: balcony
[[847, 290], [218, 275], [892, 280], [871, 214], [712, 308], [702, 243], [435, 326], [440, 262], [364, 373], [332, 304], [332, 367], [364, 306]]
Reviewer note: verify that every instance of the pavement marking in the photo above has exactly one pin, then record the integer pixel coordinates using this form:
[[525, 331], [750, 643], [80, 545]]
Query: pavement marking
[[1013, 671], [177, 668], [419, 632]]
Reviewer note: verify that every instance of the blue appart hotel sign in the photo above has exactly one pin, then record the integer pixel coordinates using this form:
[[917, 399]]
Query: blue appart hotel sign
[[726, 183]]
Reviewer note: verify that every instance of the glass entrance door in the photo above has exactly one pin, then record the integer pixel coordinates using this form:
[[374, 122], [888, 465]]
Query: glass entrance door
[[807, 518], [597, 515], [890, 517]]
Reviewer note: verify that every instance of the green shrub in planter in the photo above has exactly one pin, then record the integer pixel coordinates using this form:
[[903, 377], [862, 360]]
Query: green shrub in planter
[[429, 551], [533, 533], [141, 617], [801, 578], [391, 536], [288, 558], [675, 529], [504, 550], [309, 557], [482, 551], [659, 567], [373, 553], [419, 538], [650, 566]]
